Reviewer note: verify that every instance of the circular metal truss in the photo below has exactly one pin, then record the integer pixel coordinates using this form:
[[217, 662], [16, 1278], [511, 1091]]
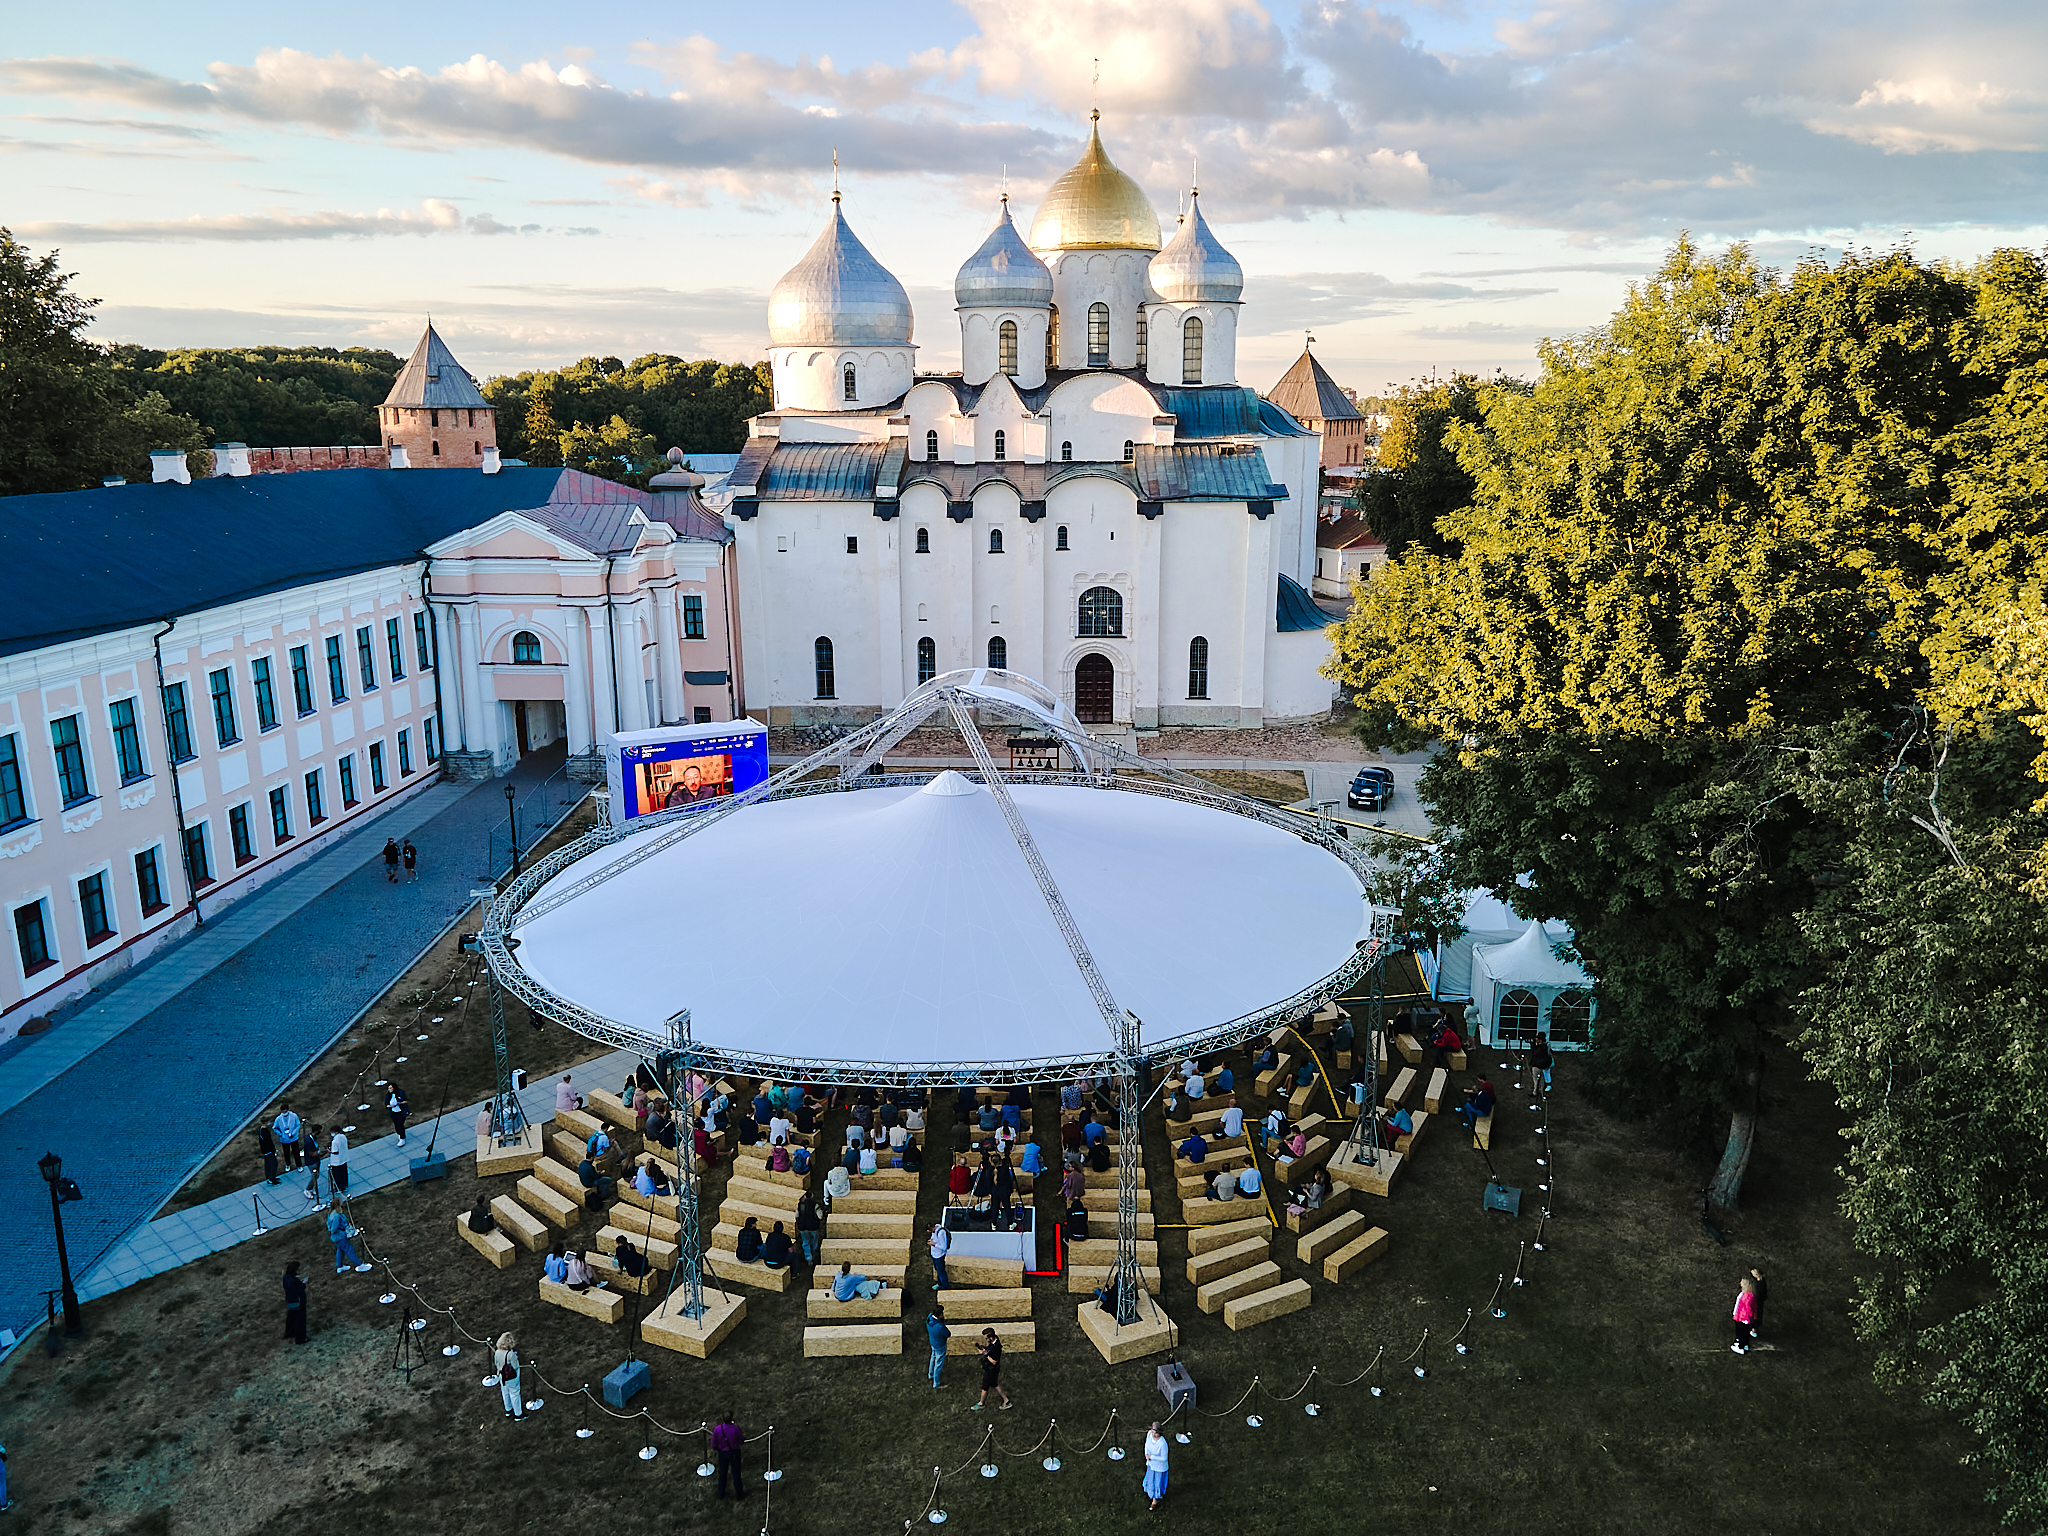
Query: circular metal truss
[[1099, 765]]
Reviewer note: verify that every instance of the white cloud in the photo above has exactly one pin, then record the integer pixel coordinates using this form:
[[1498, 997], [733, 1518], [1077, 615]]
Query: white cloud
[[435, 216], [1597, 117]]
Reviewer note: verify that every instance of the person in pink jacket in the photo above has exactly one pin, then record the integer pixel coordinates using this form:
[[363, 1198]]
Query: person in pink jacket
[[1745, 1316]]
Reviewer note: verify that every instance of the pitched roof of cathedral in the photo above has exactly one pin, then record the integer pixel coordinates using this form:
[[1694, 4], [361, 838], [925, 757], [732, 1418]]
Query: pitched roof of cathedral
[[1308, 392], [432, 377], [88, 562]]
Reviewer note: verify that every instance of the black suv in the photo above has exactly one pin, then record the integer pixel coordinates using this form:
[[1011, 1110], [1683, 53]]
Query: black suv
[[1372, 790]]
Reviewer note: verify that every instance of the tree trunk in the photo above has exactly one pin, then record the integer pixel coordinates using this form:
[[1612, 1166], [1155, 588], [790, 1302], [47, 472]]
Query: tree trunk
[[1726, 1189]]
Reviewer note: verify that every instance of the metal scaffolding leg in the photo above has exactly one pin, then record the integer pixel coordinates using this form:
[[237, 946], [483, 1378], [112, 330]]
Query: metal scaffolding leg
[[672, 1070], [508, 1116], [1364, 1144], [1128, 1277]]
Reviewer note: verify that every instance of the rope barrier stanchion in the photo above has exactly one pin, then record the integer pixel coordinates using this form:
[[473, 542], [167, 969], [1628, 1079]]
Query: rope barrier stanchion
[[708, 1467], [931, 1514], [256, 1204], [771, 1475], [988, 1467], [1458, 1339], [1254, 1420], [1493, 1302], [1052, 1440], [1517, 1280], [650, 1450], [1542, 1222], [583, 1429], [1421, 1365], [451, 1349]]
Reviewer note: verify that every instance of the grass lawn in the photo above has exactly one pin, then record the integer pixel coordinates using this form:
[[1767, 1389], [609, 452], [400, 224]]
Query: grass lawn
[[1275, 786], [1606, 1401]]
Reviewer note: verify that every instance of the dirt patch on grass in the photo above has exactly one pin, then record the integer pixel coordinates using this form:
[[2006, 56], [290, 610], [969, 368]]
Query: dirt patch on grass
[[1278, 786]]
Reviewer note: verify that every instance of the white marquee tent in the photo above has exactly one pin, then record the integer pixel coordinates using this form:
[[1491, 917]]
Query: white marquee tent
[[1521, 988]]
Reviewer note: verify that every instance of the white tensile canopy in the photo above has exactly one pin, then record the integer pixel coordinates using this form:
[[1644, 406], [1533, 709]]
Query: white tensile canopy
[[903, 924]]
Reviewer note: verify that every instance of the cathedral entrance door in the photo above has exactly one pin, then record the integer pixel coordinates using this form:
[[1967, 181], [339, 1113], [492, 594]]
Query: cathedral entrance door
[[1095, 689], [525, 741]]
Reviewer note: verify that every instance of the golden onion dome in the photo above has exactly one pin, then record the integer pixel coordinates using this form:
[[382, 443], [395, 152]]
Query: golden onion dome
[[1095, 205]]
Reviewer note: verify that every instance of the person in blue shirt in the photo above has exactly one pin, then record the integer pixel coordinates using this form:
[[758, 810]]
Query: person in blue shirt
[[1248, 1181], [1031, 1160], [846, 1284], [748, 1246], [1070, 1097], [1093, 1132], [936, 1330], [555, 1266], [1225, 1081], [1194, 1149], [338, 1232]]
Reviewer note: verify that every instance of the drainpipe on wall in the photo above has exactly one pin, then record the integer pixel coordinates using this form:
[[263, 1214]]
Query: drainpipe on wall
[[725, 601], [156, 645], [611, 639], [433, 648]]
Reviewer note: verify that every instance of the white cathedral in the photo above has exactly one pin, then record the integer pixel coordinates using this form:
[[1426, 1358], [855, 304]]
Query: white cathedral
[[1093, 500]]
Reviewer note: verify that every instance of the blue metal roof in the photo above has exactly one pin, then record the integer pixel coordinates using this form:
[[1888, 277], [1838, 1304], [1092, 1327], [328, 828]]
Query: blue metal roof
[[1297, 611], [1205, 472], [822, 472], [86, 562], [1211, 412], [1277, 423]]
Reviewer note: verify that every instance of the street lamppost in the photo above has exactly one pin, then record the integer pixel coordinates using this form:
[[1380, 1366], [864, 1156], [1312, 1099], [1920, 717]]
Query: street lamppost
[[62, 1189], [512, 811]]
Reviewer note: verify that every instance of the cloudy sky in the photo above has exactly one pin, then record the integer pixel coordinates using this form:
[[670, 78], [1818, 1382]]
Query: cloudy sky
[[1423, 185]]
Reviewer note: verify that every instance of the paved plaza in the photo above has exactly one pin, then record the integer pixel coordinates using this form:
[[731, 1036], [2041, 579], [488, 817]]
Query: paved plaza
[[139, 1086]]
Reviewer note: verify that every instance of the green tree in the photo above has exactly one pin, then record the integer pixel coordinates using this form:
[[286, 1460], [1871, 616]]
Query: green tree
[[541, 432], [614, 451], [1417, 482], [55, 396], [150, 423]]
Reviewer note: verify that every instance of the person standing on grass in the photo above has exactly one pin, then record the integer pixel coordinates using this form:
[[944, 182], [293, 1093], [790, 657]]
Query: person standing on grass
[[1758, 1297], [726, 1441], [294, 1304], [1745, 1316], [400, 1107], [266, 1144], [941, 1244], [936, 1330], [286, 1129], [808, 1228], [391, 858], [337, 1163], [511, 1390], [313, 1152], [338, 1233], [411, 855], [991, 1351], [1155, 1464], [1539, 1058]]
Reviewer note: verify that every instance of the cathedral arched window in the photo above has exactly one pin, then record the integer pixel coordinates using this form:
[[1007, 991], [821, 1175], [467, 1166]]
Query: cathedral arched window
[[1052, 338], [1130, 450], [1002, 445], [1060, 537], [852, 384], [1191, 351], [998, 653], [1144, 340], [924, 541], [821, 659], [1098, 335], [995, 541], [526, 648], [927, 660], [1066, 453], [1006, 348], [1198, 667], [1102, 612], [931, 445]]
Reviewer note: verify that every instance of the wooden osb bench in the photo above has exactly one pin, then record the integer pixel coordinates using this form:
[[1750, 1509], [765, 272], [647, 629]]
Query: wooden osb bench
[[820, 1307], [1223, 1233], [1228, 1260], [1263, 1306], [1313, 1247], [1083, 1278], [725, 1264], [1019, 1338], [1213, 1296], [1482, 1132], [853, 1339], [975, 1270], [662, 1255], [1401, 1090], [979, 1304], [493, 1245], [548, 1203], [1410, 1049], [1355, 1255], [1433, 1095], [631, 1218], [520, 1224], [1335, 1203], [1405, 1145], [607, 1306]]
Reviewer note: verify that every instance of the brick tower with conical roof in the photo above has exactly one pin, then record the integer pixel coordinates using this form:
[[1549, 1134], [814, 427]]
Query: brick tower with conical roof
[[436, 413]]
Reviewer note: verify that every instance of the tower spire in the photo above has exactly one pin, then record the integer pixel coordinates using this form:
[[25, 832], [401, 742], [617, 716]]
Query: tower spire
[[835, 174], [1095, 96]]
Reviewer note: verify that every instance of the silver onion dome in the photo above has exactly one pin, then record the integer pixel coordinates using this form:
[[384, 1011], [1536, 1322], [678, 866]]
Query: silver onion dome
[[1194, 265], [1003, 271], [839, 295]]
